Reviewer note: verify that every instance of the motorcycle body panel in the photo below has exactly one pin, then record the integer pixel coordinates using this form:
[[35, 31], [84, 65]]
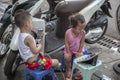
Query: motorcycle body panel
[[36, 7], [88, 11], [64, 8], [23, 4], [14, 41]]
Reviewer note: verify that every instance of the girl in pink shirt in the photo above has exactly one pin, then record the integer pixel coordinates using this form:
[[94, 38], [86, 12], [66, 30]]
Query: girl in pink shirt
[[74, 41]]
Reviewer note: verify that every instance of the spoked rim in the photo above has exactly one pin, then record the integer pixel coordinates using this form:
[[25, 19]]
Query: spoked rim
[[96, 32], [5, 41], [118, 18]]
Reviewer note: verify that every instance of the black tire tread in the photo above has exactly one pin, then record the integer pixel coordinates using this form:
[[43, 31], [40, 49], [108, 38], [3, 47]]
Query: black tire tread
[[9, 63], [117, 18], [116, 68]]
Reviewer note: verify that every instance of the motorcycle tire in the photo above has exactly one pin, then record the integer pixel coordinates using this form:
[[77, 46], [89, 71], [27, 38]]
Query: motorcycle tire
[[105, 28], [2, 30], [116, 68], [118, 18], [10, 65]]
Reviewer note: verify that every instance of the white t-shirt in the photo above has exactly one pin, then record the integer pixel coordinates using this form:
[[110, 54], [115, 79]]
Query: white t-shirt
[[24, 50]]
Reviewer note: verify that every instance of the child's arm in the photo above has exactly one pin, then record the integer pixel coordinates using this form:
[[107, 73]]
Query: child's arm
[[80, 51], [66, 43], [30, 42]]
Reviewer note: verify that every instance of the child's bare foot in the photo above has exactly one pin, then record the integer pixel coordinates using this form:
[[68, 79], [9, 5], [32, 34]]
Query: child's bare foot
[[68, 75]]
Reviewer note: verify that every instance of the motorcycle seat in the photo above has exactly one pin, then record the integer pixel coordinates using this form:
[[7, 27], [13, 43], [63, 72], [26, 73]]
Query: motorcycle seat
[[69, 7], [24, 5]]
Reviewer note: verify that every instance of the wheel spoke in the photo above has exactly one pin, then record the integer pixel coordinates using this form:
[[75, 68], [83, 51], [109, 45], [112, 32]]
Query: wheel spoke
[[94, 34]]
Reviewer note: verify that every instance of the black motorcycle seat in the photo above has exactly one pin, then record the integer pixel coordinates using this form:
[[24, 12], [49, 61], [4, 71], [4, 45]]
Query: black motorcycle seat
[[24, 5], [69, 7]]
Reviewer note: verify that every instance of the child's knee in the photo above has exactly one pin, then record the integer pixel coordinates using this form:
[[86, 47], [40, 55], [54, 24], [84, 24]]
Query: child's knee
[[55, 62], [67, 58]]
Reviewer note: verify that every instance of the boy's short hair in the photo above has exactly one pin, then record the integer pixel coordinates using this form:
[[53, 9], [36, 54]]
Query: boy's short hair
[[21, 16], [75, 18]]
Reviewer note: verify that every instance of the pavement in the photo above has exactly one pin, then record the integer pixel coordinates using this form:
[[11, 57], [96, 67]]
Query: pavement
[[108, 56]]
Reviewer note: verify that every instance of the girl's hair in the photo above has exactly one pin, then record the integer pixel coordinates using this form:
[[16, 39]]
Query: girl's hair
[[75, 18], [21, 16]]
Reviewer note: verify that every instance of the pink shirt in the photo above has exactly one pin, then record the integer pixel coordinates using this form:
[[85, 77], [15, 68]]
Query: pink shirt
[[74, 42]]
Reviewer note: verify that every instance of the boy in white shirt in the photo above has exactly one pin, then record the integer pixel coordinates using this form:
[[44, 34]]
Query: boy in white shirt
[[28, 48]]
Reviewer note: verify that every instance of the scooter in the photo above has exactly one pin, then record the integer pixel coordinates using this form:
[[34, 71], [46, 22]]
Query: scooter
[[95, 13], [7, 21]]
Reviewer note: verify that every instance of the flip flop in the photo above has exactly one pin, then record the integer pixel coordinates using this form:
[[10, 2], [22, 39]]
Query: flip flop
[[68, 76], [77, 77]]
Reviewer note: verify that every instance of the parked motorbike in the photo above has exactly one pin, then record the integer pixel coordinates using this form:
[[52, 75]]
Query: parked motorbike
[[94, 11], [7, 22]]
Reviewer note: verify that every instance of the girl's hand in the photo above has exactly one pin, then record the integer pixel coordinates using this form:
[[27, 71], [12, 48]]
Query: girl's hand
[[78, 54]]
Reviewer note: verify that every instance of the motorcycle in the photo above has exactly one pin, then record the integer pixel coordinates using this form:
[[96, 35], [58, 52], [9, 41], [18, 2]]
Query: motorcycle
[[7, 22], [94, 11]]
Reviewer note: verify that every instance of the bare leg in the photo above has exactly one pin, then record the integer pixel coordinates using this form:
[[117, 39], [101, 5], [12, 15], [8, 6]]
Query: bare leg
[[68, 64], [55, 62]]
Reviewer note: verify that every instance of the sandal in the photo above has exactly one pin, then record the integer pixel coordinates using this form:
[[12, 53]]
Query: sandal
[[78, 77], [68, 76]]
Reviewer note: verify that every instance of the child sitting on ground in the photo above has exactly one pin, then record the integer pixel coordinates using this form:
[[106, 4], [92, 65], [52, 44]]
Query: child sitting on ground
[[29, 50]]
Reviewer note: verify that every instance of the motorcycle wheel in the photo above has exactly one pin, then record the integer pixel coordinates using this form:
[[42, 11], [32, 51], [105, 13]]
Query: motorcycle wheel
[[118, 18], [116, 68], [93, 38], [5, 38], [11, 64]]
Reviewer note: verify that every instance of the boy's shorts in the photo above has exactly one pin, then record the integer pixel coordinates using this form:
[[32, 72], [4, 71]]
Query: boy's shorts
[[48, 63], [36, 65]]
